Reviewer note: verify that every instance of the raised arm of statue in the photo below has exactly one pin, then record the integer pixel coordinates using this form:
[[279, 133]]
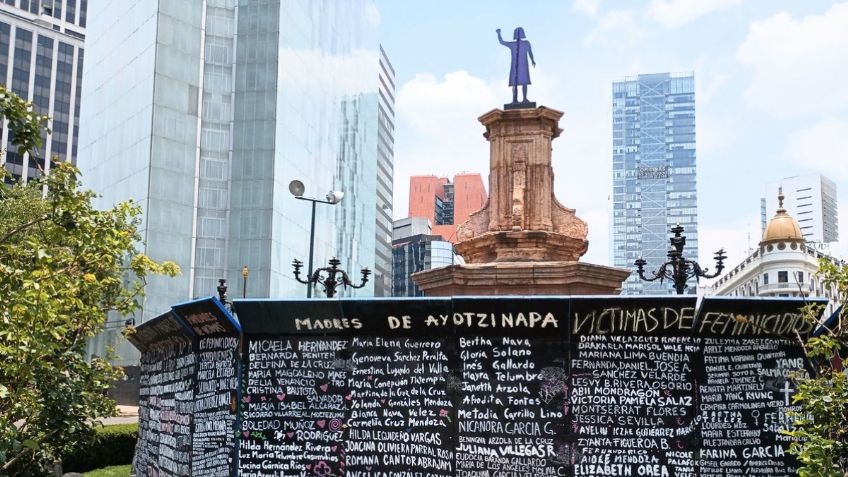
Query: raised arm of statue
[[500, 39]]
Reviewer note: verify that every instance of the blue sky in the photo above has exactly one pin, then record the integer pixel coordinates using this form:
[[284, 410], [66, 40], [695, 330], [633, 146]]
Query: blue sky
[[771, 93]]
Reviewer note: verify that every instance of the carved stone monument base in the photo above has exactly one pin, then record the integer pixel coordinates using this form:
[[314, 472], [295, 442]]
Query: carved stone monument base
[[522, 278], [522, 246]]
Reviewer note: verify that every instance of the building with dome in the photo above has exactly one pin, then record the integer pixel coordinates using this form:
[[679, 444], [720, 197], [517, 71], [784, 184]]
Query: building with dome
[[783, 265]]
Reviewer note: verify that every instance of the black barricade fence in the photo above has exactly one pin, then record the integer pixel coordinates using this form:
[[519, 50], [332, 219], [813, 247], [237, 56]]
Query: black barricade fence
[[166, 394], [513, 386], [189, 389]]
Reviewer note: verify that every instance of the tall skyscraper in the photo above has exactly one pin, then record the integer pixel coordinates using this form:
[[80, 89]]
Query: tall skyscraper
[[446, 204], [203, 112], [385, 176], [811, 199], [41, 59], [654, 180]]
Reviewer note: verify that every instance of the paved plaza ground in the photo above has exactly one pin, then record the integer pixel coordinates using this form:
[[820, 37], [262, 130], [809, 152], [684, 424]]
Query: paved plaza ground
[[126, 415]]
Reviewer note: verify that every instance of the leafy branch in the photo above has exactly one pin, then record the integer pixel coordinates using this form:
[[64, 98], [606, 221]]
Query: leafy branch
[[63, 266], [820, 429]]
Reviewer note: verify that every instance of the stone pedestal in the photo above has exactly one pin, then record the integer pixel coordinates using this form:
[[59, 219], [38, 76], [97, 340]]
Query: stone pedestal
[[522, 278], [523, 241], [521, 246]]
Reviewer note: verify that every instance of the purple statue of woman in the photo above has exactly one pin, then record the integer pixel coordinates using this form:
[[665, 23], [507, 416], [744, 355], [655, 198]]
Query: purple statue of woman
[[519, 71]]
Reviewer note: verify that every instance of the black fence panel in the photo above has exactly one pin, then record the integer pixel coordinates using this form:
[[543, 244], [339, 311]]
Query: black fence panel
[[510, 386]]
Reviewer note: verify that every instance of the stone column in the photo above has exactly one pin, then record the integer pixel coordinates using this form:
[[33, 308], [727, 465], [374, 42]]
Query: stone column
[[521, 197], [521, 144]]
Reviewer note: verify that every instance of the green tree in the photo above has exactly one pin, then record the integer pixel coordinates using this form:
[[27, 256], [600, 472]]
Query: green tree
[[821, 427], [63, 266], [24, 123]]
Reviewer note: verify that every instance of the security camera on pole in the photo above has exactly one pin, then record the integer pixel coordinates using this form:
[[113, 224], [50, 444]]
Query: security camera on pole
[[333, 197]]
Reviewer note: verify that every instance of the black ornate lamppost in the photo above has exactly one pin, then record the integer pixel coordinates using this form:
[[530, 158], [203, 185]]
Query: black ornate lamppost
[[329, 277], [333, 198], [679, 269], [222, 294]]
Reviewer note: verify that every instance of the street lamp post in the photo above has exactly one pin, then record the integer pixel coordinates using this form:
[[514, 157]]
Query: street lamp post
[[678, 268], [244, 273], [330, 277], [333, 197]]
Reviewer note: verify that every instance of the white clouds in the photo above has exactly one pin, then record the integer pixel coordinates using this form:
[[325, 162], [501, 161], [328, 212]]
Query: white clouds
[[438, 132], [709, 85], [735, 236], [713, 135], [587, 7], [668, 13], [799, 65], [430, 104], [620, 22], [715, 131], [822, 147], [372, 14], [676, 13]]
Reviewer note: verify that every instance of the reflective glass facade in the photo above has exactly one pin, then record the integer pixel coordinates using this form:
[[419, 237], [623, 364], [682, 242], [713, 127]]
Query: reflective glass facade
[[139, 136], [305, 108], [215, 102], [417, 253], [356, 175], [654, 172], [41, 59], [203, 111], [385, 177]]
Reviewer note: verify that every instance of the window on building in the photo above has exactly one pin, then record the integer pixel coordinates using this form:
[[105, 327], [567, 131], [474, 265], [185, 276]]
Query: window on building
[[800, 277], [765, 278], [71, 11], [783, 277]]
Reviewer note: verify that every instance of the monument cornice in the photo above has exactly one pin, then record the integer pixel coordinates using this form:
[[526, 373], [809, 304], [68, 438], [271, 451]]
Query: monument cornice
[[522, 246], [540, 120]]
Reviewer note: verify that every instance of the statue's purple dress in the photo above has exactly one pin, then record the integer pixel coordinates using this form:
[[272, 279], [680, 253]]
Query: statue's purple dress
[[519, 69]]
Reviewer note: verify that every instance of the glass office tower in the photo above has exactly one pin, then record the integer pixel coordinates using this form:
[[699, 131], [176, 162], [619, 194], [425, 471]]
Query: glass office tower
[[414, 249], [385, 176], [203, 111], [41, 60], [654, 179]]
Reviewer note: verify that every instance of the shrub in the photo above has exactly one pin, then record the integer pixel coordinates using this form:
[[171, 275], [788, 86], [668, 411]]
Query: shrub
[[112, 445], [821, 426]]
